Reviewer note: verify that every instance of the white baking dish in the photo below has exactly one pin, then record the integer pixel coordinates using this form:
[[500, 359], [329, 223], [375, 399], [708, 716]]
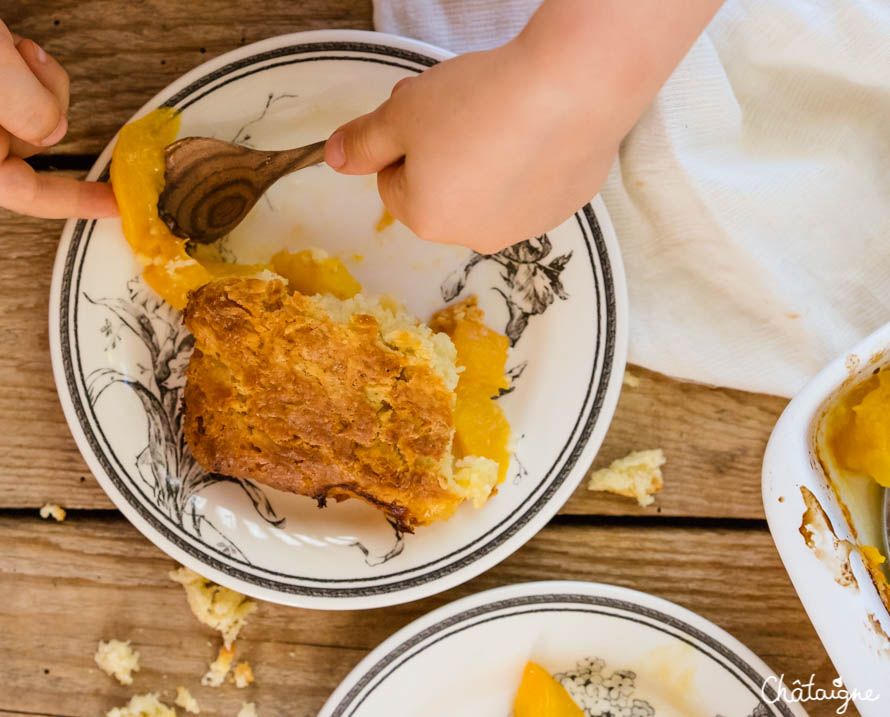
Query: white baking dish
[[835, 587]]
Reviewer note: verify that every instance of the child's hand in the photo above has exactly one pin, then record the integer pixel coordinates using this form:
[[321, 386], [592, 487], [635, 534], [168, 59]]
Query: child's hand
[[33, 107], [492, 154], [491, 148]]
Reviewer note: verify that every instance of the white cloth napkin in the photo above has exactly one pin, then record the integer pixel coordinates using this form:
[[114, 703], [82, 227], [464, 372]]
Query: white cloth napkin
[[752, 200]]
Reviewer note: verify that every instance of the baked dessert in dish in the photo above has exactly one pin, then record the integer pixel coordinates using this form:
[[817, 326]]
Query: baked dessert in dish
[[853, 448], [328, 398], [299, 382]]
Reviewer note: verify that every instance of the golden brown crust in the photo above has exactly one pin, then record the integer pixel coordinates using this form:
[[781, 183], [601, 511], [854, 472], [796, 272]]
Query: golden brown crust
[[280, 393]]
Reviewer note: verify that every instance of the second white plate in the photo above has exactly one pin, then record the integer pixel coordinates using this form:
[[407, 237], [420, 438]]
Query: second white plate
[[619, 652]]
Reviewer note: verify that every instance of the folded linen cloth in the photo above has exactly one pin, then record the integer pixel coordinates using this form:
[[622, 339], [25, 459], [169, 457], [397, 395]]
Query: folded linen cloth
[[752, 199]]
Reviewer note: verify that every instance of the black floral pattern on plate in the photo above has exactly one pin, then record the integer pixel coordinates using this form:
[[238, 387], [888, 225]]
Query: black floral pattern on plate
[[530, 285], [166, 467], [604, 693], [600, 692]]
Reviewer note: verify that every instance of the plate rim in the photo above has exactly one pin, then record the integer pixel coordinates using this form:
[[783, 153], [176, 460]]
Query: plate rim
[[676, 616], [611, 264]]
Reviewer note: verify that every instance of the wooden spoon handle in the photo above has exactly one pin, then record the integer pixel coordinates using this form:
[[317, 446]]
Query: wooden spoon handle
[[290, 160]]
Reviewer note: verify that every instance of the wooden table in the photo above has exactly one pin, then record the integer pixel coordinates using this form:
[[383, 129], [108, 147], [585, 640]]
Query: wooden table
[[66, 585]]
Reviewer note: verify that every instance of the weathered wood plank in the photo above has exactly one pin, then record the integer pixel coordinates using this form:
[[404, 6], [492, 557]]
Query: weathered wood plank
[[68, 585], [713, 440], [119, 54], [39, 461]]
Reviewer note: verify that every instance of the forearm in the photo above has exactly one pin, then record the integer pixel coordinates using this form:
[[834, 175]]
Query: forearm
[[614, 54]]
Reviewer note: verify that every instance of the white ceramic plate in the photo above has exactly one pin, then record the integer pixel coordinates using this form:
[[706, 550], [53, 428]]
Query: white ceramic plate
[[619, 652], [850, 619], [119, 354]]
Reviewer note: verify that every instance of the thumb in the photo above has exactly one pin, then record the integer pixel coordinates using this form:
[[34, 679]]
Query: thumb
[[365, 145]]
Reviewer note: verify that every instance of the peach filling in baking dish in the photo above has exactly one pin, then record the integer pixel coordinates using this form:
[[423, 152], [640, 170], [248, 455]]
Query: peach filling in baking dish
[[853, 446]]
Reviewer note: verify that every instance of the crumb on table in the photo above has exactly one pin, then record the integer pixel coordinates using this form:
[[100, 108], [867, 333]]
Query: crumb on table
[[185, 700], [242, 675], [217, 607], [51, 510], [117, 659], [143, 706], [219, 668], [248, 709], [630, 380], [637, 475]]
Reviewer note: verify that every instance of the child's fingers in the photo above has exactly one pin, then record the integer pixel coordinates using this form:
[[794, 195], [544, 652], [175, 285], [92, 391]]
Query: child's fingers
[[44, 195], [19, 148], [392, 187], [401, 83], [28, 110], [365, 145], [46, 69], [51, 75]]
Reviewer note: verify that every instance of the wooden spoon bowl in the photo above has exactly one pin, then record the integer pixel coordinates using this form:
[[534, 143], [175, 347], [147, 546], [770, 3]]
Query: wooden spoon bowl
[[211, 185]]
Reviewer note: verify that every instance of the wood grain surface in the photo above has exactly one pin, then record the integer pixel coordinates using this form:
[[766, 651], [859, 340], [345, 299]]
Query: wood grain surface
[[704, 544], [119, 53], [92, 578]]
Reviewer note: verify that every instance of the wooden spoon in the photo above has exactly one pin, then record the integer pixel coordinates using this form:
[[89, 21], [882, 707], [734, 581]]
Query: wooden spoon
[[211, 185]]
